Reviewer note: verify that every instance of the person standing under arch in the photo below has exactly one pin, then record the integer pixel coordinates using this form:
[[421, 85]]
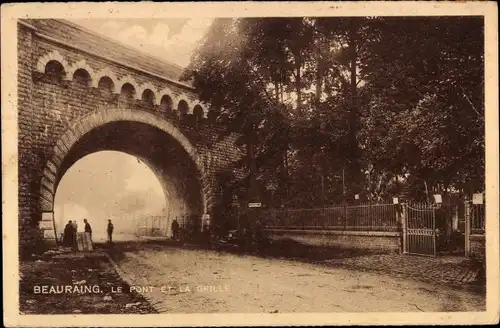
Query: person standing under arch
[[68, 234], [175, 229], [110, 231], [88, 228]]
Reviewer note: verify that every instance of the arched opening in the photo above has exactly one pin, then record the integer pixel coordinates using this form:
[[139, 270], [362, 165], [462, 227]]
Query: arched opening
[[127, 93], [166, 104], [198, 113], [110, 185], [148, 98], [183, 109], [157, 144], [54, 70], [106, 85], [81, 77]]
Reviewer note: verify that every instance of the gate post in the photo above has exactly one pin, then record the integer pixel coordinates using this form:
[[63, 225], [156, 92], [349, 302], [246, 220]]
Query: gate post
[[467, 214], [404, 216], [434, 230]]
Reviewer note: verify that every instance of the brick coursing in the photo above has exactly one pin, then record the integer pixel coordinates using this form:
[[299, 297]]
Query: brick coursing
[[27, 158], [48, 108], [86, 40], [478, 247], [44, 47], [366, 242]]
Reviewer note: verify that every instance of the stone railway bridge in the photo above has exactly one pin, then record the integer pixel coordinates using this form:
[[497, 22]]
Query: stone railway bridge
[[80, 93]]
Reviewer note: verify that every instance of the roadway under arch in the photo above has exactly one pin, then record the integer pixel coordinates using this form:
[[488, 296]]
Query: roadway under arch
[[156, 142]]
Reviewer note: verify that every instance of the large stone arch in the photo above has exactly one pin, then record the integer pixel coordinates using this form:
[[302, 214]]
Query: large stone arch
[[78, 129]]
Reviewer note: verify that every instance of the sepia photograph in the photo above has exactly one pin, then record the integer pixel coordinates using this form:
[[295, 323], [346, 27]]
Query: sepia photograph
[[289, 164]]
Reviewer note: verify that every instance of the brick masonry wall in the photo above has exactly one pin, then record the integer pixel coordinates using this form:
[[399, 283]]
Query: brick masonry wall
[[27, 159], [47, 108], [84, 39], [390, 242], [44, 47], [477, 246]]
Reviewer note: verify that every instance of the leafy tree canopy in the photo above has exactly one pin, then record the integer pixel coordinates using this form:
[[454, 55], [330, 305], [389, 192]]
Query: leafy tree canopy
[[387, 103]]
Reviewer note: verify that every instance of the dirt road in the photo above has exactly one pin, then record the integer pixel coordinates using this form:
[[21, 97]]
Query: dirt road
[[200, 281]]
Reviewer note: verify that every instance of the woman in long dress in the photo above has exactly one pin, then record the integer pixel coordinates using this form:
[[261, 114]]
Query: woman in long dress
[[68, 234]]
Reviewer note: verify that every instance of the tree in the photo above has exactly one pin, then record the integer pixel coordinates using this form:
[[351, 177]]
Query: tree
[[390, 101], [426, 116]]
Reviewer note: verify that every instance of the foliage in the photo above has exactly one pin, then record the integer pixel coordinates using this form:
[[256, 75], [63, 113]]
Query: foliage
[[426, 116], [368, 105]]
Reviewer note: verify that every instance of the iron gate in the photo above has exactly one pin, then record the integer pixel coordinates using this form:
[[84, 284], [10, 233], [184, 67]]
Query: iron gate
[[419, 231]]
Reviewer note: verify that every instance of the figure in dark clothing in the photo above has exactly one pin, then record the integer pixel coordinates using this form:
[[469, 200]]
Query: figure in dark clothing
[[75, 231], [88, 228], [69, 235], [110, 231], [175, 229]]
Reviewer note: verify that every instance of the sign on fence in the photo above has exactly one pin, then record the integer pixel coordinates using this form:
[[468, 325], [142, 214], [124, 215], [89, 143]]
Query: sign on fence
[[254, 205], [438, 199], [477, 199], [395, 200]]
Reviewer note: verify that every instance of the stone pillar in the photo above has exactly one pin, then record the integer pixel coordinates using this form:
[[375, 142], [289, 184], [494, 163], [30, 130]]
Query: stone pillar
[[467, 227], [47, 230], [28, 161], [454, 218], [404, 215]]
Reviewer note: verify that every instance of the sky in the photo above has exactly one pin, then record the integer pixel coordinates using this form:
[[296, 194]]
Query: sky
[[107, 185], [172, 40]]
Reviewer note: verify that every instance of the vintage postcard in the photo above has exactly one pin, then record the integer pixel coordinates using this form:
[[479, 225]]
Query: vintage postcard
[[241, 164]]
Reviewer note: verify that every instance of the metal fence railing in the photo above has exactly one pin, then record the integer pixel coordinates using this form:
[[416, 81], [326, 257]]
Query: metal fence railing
[[364, 217], [160, 226], [153, 226], [477, 218]]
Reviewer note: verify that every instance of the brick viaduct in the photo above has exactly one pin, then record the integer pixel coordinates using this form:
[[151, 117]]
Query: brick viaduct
[[79, 93]]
